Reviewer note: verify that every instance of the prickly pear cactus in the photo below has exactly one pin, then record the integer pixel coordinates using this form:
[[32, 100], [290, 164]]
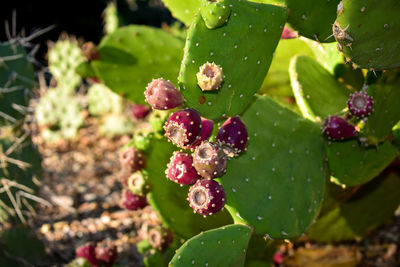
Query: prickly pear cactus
[[276, 170], [116, 124], [110, 18], [364, 41], [102, 100], [64, 57], [230, 241], [183, 10], [262, 24], [128, 57], [16, 83]]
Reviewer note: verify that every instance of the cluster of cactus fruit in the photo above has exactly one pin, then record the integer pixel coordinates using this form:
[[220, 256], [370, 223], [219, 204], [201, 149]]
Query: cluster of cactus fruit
[[102, 254], [317, 162]]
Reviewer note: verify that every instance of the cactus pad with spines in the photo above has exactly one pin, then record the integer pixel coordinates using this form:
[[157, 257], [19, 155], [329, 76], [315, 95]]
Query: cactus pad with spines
[[183, 10], [128, 57], [102, 100], [369, 43], [169, 199], [16, 82], [224, 246], [325, 53], [276, 175], [237, 56], [370, 206], [386, 112], [352, 164], [313, 86], [64, 58]]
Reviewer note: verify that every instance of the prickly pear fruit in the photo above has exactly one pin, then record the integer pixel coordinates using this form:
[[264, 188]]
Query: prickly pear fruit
[[87, 252], [90, 51], [163, 95], [206, 130], [106, 253], [360, 104], [233, 136], [131, 201], [183, 127], [160, 238], [210, 77], [288, 33], [215, 13], [337, 128], [140, 111], [206, 197], [132, 160], [209, 160], [138, 183], [180, 169]]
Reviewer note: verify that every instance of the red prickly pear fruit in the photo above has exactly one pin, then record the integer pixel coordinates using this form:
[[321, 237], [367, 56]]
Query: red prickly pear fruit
[[131, 201], [180, 169], [209, 160], [360, 104], [210, 77], [206, 130], [337, 128], [288, 33], [233, 136], [278, 258], [206, 197], [162, 94], [132, 160], [106, 253], [140, 111], [183, 127], [87, 252]]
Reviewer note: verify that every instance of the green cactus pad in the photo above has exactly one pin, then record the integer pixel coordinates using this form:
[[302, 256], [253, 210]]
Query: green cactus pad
[[170, 199], [64, 58], [396, 135], [369, 43], [369, 207], [326, 54], [277, 174], [317, 92], [110, 18], [133, 55], [225, 246], [261, 249], [102, 100], [183, 10], [225, 46], [386, 112], [116, 125], [16, 82], [352, 164], [215, 14]]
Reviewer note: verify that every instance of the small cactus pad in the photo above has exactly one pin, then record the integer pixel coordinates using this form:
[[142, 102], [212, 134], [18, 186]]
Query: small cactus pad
[[215, 13], [352, 164], [64, 57], [207, 197], [265, 180], [131, 56], [102, 100], [225, 46], [169, 199], [313, 85], [369, 43], [16, 82], [313, 18], [224, 246], [386, 112], [373, 204], [183, 10]]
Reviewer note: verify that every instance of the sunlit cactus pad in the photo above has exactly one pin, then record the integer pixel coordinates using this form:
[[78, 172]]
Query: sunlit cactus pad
[[225, 246], [277, 174], [244, 61], [133, 55]]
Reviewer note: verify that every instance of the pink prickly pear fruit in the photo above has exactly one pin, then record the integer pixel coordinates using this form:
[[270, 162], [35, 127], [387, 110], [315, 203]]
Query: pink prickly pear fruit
[[288, 33], [132, 160], [106, 253], [209, 160], [131, 201], [360, 104], [206, 130], [140, 111], [337, 128], [233, 136], [163, 95], [210, 77], [206, 197], [183, 127], [181, 170], [87, 252]]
